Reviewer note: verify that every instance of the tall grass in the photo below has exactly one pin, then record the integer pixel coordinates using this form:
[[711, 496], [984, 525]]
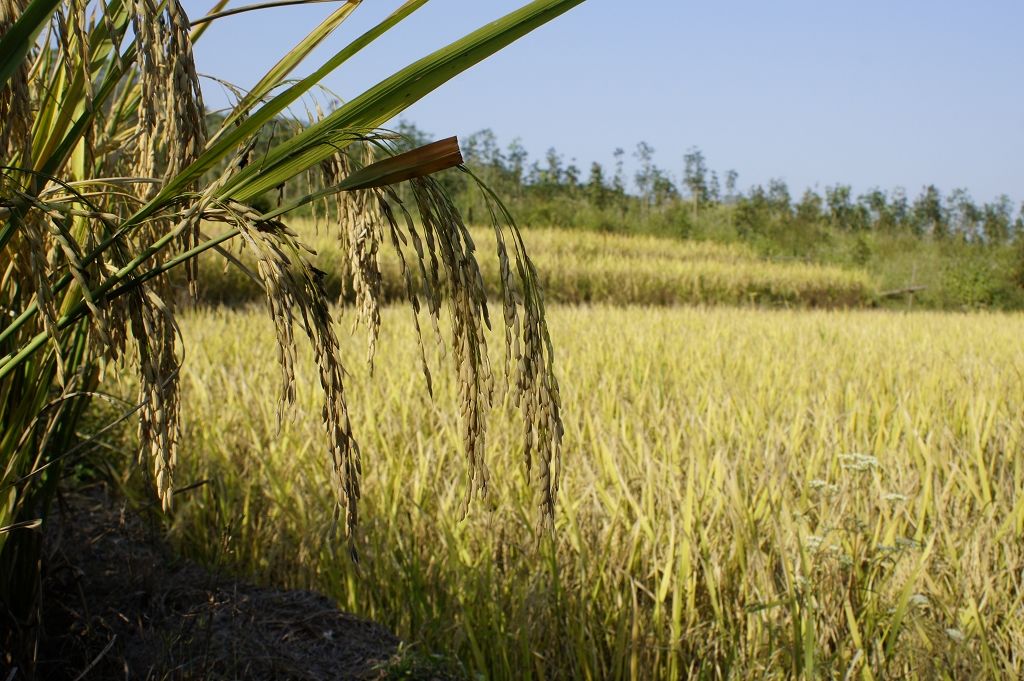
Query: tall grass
[[746, 494]]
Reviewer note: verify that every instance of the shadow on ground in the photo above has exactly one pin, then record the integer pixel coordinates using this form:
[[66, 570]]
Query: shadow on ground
[[119, 604]]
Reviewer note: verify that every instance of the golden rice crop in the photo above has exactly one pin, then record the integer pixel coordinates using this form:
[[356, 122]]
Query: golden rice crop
[[745, 494], [577, 267]]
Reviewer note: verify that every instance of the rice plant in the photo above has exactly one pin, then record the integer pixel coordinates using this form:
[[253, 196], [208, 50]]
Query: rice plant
[[110, 179], [586, 267], [747, 494]]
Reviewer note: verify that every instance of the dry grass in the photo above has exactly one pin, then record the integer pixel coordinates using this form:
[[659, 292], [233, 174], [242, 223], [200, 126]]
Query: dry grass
[[746, 494]]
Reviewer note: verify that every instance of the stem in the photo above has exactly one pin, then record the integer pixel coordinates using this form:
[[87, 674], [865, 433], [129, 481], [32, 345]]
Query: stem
[[16, 324], [174, 262]]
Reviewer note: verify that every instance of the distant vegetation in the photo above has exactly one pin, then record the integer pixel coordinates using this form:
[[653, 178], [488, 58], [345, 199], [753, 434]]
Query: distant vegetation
[[966, 254]]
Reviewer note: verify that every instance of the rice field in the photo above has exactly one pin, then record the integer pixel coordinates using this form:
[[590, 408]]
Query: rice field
[[746, 494], [607, 268]]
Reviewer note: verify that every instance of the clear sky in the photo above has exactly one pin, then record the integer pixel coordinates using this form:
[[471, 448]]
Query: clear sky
[[870, 93]]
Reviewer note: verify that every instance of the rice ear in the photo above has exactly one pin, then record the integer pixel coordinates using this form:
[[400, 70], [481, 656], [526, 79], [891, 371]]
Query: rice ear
[[155, 332], [15, 104], [87, 275]]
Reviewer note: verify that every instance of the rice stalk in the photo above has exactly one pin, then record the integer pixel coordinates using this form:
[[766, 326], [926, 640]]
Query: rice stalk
[[108, 174], [751, 493], [15, 104]]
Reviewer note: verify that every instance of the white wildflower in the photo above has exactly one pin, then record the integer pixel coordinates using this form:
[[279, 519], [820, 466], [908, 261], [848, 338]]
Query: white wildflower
[[859, 463], [819, 485]]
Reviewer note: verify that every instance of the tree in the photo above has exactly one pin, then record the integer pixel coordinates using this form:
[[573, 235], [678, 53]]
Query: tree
[[731, 177], [619, 180], [662, 188], [517, 158], [695, 178], [876, 204], [840, 207], [646, 173], [962, 214], [481, 149], [928, 214], [552, 175], [778, 196], [597, 191], [714, 188], [808, 210], [996, 220], [899, 208], [572, 177], [753, 212], [90, 248]]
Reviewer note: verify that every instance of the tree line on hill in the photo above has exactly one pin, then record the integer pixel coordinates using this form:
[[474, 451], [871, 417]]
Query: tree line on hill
[[955, 215], [965, 254]]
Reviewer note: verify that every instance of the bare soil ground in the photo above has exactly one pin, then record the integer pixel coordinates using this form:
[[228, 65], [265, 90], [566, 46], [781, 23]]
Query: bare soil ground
[[119, 604]]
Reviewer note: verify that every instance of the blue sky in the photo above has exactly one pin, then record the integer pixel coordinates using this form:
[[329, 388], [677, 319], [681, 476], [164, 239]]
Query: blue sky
[[870, 93]]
